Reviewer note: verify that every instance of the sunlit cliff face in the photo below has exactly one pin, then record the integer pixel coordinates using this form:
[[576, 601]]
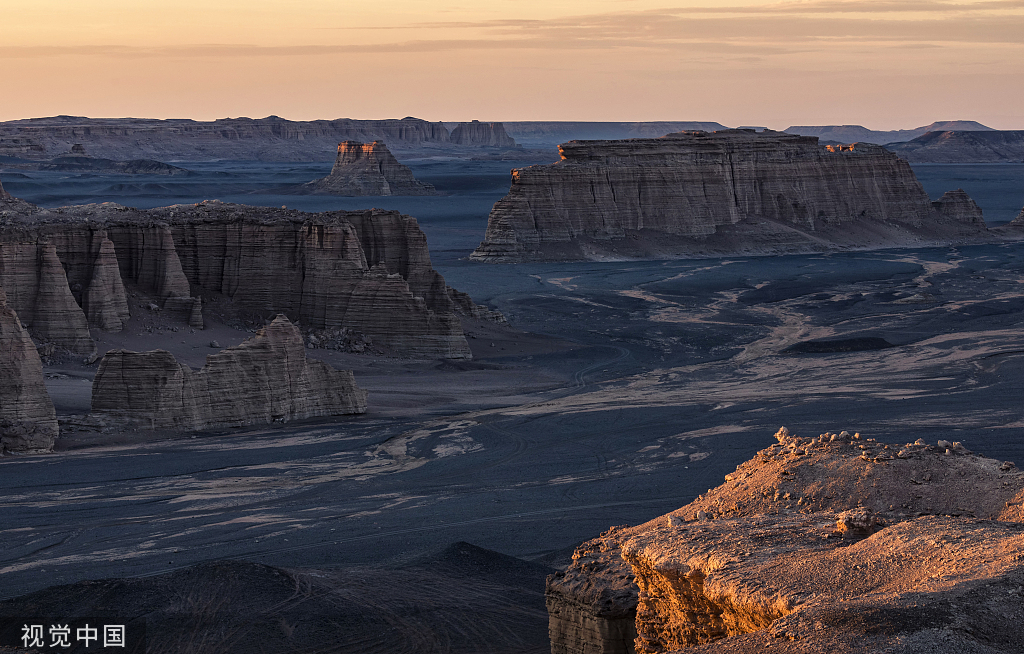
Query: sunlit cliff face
[[840, 148], [528, 59]]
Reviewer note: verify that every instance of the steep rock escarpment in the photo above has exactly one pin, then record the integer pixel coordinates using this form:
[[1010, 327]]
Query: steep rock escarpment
[[802, 542], [485, 134], [366, 271], [28, 422], [699, 193], [367, 169], [963, 146], [266, 379]]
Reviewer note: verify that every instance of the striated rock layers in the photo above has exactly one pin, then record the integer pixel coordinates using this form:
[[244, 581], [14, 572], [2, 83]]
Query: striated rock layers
[[366, 271], [367, 169], [27, 419], [726, 192], [266, 379], [838, 543], [485, 134]]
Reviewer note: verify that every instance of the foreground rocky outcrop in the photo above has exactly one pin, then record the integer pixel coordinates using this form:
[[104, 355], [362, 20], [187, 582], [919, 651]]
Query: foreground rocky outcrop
[[491, 135], [367, 169], [368, 272], [963, 146], [28, 422], [726, 192], [4, 195], [264, 380], [829, 544]]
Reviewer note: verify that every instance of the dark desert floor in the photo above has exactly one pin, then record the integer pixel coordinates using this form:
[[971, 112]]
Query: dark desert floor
[[635, 387]]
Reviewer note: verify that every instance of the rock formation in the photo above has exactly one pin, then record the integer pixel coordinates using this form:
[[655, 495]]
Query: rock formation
[[725, 192], [27, 419], [963, 146], [265, 139], [365, 271], [960, 208], [367, 169], [549, 133], [266, 379], [4, 195], [840, 542], [486, 134], [852, 133]]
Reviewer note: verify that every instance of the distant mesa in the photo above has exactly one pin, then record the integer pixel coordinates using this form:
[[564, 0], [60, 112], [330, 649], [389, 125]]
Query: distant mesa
[[721, 193], [482, 134], [963, 146], [367, 169], [854, 133], [549, 133], [267, 379]]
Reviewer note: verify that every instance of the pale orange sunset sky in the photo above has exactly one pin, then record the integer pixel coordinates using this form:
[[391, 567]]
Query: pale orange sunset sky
[[884, 64]]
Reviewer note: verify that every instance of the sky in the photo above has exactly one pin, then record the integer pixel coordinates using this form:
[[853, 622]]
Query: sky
[[884, 64]]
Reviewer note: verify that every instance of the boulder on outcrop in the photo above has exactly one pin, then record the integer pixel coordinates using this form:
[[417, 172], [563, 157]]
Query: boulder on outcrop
[[368, 272], [702, 194], [367, 169], [485, 134], [768, 554], [264, 380], [28, 422]]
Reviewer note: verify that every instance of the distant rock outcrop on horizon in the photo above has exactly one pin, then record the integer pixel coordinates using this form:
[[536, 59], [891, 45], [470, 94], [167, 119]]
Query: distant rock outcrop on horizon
[[491, 135], [707, 194], [855, 133], [28, 422], [549, 133], [262, 139], [367, 169], [68, 269], [839, 542], [964, 147], [264, 380]]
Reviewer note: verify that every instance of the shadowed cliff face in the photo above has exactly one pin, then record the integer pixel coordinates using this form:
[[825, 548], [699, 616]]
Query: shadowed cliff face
[[369, 272], [27, 419], [264, 380], [721, 193], [367, 169]]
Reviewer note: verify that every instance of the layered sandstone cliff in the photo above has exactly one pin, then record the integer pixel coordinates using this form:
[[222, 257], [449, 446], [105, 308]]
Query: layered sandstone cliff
[[367, 169], [264, 380], [486, 134], [366, 271], [800, 542], [699, 193], [27, 419]]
